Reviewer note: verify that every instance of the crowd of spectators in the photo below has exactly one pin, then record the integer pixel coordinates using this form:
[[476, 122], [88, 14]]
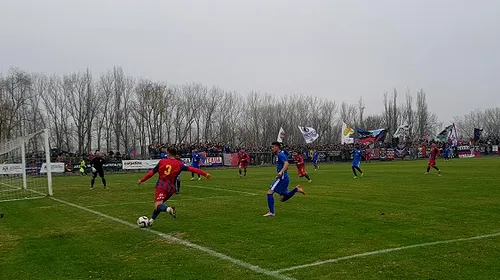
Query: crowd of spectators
[[216, 149], [212, 149]]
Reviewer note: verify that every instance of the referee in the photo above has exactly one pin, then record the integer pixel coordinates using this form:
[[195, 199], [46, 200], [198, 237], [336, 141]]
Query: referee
[[96, 164]]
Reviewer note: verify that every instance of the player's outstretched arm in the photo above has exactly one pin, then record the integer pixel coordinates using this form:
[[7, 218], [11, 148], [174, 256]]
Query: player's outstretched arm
[[148, 175], [198, 171]]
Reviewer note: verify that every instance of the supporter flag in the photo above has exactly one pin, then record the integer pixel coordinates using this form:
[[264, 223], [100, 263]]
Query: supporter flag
[[377, 135], [363, 132], [346, 133], [371, 136], [309, 134], [444, 135], [132, 151], [453, 138], [402, 130], [477, 133], [281, 135]]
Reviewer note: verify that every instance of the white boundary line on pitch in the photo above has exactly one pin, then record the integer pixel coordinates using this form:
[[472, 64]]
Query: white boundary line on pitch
[[146, 202], [165, 236], [10, 186], [218, 189], [10, 190], [20, 199], [384, 251]]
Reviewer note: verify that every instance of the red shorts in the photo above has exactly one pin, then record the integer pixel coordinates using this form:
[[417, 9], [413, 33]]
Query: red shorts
[[302, 171], [162, 194], [244, 164], [432, 162]]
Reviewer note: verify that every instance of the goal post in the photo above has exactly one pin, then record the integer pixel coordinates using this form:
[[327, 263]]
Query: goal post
[[25, 167]]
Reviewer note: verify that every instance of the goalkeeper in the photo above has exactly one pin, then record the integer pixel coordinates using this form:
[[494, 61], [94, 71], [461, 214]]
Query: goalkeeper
[[96, 163]]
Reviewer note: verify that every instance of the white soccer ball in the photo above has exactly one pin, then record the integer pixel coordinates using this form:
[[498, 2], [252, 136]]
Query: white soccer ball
[[143, 221]]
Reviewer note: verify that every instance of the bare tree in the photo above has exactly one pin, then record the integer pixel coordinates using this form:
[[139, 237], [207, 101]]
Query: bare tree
[[15, 95], [361, 110], [425, 121], [115, 112], [348, 113], [408, 114], [488, 120], [391, 112], [374, 122]]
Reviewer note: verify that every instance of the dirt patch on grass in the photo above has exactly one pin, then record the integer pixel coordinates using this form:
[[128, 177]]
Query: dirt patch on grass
[[9, 241]]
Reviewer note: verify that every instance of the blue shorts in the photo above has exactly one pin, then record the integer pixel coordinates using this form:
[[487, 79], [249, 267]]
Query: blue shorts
[[280, 185], [355, 163], [195, 165]]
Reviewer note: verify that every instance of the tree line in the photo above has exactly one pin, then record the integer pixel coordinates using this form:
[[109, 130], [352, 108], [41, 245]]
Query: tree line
[[114, 112]]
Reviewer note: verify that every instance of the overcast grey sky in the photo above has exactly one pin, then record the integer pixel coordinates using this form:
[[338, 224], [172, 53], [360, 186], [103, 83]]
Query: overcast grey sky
[[335, 49]]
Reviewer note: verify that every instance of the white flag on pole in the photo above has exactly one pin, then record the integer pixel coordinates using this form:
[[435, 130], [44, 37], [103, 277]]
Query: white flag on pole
[[402, 130], [453, 137], [346, 133], [309, 134], [281, 135]]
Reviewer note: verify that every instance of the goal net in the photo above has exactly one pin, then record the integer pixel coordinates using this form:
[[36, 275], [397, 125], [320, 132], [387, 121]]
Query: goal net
[[24, 172]]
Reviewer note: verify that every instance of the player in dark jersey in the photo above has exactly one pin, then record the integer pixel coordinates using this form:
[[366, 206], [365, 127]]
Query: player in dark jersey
[[243, 160], [168, 169], [301, 169], [432, 160], [97, 169]]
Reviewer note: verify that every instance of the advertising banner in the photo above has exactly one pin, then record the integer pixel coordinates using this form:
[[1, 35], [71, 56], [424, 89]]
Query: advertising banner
[[56, 167], [230, 159], [11, 169], [150, 164], [465, 152]]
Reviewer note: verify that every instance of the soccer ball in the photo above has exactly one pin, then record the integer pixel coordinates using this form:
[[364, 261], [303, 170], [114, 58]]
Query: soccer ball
[[143, 221]]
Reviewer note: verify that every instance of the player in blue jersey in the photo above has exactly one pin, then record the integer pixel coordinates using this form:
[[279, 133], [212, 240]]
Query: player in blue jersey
[[315, 160], [356, 160], [280, 184], [196, 161], [447, 152]]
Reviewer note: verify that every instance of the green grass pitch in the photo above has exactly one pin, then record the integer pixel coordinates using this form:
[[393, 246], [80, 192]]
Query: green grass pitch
[[394, 205]]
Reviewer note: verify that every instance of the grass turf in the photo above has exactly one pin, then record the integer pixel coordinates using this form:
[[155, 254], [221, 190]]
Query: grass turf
[[394, 205]]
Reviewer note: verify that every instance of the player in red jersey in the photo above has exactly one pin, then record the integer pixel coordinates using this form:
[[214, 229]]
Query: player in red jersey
[[243, 159], [432, 160], [168, 169], [299, 161], [368, 155]]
